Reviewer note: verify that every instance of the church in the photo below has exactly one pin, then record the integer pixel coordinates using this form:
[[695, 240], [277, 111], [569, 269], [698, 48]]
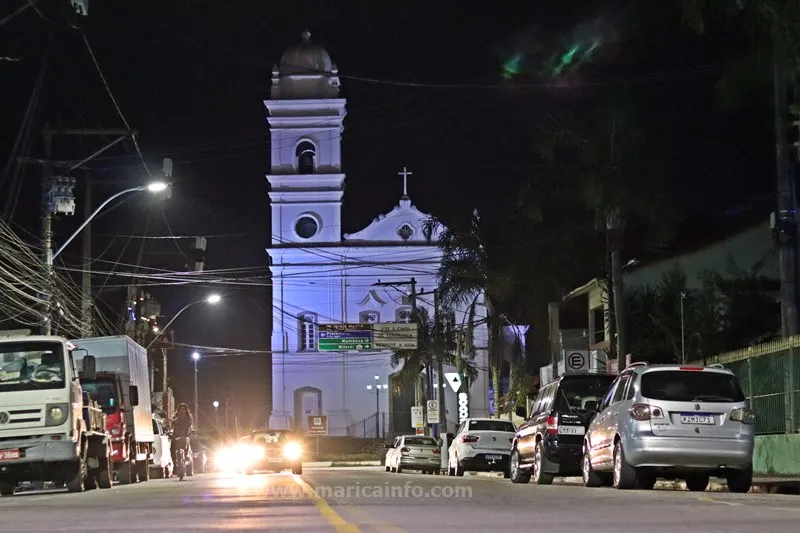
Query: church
[[322, 276]]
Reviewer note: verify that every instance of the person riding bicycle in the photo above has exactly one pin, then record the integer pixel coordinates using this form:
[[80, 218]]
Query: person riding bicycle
[[182, 428]]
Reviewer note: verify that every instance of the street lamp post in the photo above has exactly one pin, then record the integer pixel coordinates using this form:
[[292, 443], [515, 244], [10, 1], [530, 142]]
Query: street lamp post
[[683, 331], [378, 388], [50, 256], [215, 403], [195, 358]]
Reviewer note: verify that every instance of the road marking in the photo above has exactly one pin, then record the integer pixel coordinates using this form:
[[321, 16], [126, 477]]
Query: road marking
[[383, 528], [712, 500], [790, 509], [333, 518]]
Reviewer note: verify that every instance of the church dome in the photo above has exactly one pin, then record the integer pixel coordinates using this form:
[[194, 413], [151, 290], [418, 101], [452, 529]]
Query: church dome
[[306, 58]]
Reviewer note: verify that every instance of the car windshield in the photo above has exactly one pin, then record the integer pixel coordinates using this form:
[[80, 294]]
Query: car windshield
[[582, 394], [31, 366], [272, 437], [102, 391], [691, 386], [419, 441], [491, 425]]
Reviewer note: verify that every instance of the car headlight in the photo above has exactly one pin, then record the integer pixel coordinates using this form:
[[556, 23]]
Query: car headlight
[[55, 414], [292, 451]]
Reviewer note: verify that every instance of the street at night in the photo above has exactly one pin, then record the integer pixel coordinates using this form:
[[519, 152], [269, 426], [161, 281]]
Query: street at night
[[370, 500]]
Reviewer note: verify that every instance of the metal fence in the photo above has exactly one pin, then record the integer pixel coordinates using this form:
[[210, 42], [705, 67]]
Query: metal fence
[[369, 428], [770, 377]]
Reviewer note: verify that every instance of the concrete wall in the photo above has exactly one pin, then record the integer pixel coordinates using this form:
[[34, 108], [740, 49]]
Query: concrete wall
[[777, 455]]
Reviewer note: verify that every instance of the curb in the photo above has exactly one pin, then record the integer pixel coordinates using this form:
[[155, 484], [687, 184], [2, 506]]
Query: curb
[[339, 464]]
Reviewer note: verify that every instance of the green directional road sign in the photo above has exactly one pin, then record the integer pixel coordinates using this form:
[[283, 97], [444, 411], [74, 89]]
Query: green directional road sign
[[344, 337]]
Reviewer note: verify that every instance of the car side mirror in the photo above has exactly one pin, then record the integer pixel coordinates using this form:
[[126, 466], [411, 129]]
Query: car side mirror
[[133, 392], [388, 445], [89, 369]]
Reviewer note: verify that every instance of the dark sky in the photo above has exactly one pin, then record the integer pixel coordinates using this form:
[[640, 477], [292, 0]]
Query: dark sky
[[191, 77]]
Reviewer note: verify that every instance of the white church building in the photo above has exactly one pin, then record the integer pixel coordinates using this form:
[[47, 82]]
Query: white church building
[[322, 276]]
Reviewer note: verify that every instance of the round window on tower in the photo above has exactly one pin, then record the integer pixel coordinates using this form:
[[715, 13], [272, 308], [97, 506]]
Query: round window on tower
[[306, 227], [405, 232]]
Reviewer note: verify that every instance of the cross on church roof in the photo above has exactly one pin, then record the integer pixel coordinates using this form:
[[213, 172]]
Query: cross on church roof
[[405, 173]]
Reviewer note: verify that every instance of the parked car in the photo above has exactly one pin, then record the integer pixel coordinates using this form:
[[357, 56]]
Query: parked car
[[414, 452], [481, 444], [675, 422], [550, 442], [162, 465]]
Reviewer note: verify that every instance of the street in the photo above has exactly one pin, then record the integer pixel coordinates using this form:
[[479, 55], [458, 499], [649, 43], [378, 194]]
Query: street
[[370, 500]]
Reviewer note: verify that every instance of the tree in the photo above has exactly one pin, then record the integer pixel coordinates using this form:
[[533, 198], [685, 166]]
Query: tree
[[606, 163], [774, 26], [470, 268]]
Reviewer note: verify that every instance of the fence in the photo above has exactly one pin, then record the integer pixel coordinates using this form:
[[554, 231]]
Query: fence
[[368, 428], [770, 377]]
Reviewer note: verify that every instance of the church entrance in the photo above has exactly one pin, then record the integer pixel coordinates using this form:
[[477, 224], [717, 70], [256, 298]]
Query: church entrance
[[307, 402]]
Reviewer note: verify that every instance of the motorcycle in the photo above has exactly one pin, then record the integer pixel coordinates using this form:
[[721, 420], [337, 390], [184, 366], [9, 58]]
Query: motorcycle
[[183, 458]]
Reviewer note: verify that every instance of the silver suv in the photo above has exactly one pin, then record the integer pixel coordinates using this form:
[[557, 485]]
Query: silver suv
[[671, 421]]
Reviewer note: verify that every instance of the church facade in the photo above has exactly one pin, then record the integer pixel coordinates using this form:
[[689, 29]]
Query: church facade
[[321, 275]]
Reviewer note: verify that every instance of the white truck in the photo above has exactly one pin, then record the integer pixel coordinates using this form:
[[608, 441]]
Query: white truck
[[50, 430], [121, 384]]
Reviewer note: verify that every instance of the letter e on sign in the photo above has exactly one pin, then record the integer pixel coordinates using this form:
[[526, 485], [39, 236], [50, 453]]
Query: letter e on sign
[[576, 362]]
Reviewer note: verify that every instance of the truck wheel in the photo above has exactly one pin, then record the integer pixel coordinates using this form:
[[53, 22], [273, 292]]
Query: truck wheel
[[7, 488], [143, 470], [103, 474], [76, 484], [125, 474]]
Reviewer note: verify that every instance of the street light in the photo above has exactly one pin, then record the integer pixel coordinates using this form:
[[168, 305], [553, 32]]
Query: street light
[[156, 186], [378, 388], [215, 404], [211, 299], [195, 358]]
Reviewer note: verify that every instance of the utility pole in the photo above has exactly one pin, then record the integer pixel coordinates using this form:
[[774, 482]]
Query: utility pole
[[86, 275], [47, 233], [439, 365]]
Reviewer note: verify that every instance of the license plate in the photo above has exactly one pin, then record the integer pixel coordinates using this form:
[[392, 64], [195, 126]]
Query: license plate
[[494, 457], [691, 418], [5, 455], [571, 430]]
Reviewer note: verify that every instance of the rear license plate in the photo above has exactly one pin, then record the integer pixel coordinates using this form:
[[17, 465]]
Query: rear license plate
[[691, 418], [5, 455], [571, 430], [494, 457]]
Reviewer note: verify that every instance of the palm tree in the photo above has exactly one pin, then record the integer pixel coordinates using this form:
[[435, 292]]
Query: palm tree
[[604, 161], [774, 26], [469, 270]]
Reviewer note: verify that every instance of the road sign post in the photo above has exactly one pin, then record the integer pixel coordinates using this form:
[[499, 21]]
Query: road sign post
[[417, 419], [433, 412], [395, 336], [576, 362]]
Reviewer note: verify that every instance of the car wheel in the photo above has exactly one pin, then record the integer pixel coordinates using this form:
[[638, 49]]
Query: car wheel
[[698, 483], [515, 473], [624, 473], [590, 478], [740, 481], [540, 477]]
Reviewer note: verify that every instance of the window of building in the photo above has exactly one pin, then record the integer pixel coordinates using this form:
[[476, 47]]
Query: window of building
[[306, 227], [306, 155], [369, 317], [405, 232], [307, 329], [403, 314]]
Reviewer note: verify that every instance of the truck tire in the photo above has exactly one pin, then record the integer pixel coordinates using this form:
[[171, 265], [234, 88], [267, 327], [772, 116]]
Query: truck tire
[[7, 488], [125, 474], [103, 474], [77, 483], [143, 470]]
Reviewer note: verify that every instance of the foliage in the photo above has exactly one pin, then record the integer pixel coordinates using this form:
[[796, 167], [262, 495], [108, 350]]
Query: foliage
[[727, 311]]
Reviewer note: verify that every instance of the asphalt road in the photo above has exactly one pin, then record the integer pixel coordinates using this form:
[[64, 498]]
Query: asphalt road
[[370, 500]]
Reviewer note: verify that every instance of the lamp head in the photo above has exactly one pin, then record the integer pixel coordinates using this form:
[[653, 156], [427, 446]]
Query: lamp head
[[214, 298], [157, 186], [196, 356]]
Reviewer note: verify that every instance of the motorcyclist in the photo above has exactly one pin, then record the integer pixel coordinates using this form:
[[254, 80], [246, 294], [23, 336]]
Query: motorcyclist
[[182, 428]]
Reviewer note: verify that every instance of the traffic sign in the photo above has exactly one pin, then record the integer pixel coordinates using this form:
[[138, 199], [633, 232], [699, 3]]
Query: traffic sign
[[395, 336], [576, 362], [344, 337], [433, 412], [454, 380], [417, 420], [318, 425]]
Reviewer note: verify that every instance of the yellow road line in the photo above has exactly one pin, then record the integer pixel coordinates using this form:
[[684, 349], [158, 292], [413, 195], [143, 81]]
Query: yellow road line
[[333, 518], [712, 500]]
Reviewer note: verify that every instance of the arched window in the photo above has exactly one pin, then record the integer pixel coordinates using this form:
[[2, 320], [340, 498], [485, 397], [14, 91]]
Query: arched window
[[403, 314], [369, 317], [306, 157], [307, 331]]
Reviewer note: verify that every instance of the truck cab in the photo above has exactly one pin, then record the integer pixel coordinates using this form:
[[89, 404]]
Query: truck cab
[[44, 435]]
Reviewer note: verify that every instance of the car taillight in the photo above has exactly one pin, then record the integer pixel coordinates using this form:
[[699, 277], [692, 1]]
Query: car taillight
[[692, 368], [437, 451], [743, 415], [405, 449], [643, 412], [470, 438], [552, 424]]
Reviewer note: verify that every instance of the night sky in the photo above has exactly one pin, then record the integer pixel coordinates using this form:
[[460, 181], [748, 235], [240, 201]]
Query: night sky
[[425, 88]]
